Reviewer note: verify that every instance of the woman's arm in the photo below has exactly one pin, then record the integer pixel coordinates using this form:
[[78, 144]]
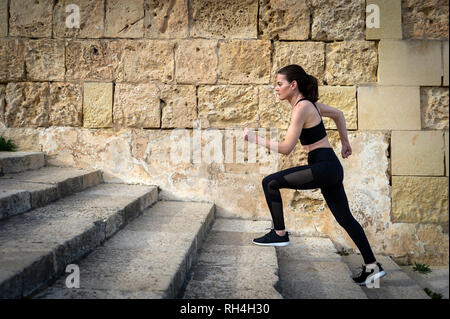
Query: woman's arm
[[338, 118]]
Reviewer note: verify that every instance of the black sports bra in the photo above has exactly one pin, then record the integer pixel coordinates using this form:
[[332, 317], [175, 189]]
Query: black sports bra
[[312, 134]]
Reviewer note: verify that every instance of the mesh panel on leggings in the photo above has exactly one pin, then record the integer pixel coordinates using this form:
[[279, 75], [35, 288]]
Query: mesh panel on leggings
[[299, 178]]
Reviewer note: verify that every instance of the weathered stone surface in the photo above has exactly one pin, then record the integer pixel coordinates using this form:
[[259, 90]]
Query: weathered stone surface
[[31, 18], [338, 20], [434, 107], [224, 19], [26, 139], [389, 17], [66, 104], [12, 59], [137, 105], [351, 62], [89, 60], [445, 54], [273, 113], [446, 152], [342, 98], [397, 56], [44, 60], [2, 106], [91, 19], [142, 60], [165, 19], [124, 19], [196, 61], [420, 199], [417, 153], [234, 66], [283, 20], [3, 18], [97, 105], [309, 55], [388, 107], [178, 106], [27, 104], [425, 19], [226, 106]]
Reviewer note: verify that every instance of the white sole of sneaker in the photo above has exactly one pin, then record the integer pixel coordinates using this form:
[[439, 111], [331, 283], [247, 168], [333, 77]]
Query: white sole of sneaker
[[273, 244], [371, 279]]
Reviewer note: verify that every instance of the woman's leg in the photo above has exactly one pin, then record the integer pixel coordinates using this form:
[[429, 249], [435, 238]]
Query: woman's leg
[[336, 200], [299, 177]]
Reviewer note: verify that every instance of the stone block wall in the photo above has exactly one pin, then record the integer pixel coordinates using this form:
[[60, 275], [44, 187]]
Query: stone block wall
[[137, 77]]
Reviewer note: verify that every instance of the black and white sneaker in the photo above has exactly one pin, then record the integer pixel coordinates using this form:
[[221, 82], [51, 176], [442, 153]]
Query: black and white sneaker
[[272, 239], [369, 275]]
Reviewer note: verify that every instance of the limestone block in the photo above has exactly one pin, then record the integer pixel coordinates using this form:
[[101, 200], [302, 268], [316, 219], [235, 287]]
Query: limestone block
[[3, 18], [97, 104], [88, 60], [434, 107], [388, 107], [283, 20], [142, 60], [446, 152], [178, 106], [351, 62], [234, 58], [2, 106], [137, 105], [224, 19], [91, 19], [27, 104], [228, 106], [397, 57], [26, 139], [273, 113], [31, 18], [338, 20], [44, 60], [425, 19], [417, 153], [445, 54], [419, 199], [390, 19], [166, 19], [12, 59], [66, 104], [309, 55], [196, 61], [124, 19], [343, 98]]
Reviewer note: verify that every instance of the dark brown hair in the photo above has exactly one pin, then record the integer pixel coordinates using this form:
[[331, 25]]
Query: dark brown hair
[[307, 84]]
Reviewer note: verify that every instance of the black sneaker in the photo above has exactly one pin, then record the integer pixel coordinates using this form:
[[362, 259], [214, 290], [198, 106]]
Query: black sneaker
[[368, 276], [272, 239]]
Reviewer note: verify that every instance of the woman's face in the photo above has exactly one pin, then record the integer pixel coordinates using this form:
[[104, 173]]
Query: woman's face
[[282, 87]]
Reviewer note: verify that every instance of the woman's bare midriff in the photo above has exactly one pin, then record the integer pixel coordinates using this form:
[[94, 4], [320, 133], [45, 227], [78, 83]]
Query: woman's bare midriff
[[321, 143]]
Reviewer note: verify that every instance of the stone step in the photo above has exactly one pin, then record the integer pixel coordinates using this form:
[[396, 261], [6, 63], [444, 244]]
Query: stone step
[[230, 266], [36, 247], [310, 268], [396, 284], [149, 258], [21, 192], [16, 162]]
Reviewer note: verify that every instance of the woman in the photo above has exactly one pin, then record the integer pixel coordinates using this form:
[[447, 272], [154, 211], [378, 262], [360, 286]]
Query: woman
[[323, 171]]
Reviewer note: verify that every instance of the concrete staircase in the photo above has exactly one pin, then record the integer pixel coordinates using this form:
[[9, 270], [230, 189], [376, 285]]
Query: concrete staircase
[[128, 244]]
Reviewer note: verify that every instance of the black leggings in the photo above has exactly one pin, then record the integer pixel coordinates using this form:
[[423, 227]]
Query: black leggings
[[324, 171]]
